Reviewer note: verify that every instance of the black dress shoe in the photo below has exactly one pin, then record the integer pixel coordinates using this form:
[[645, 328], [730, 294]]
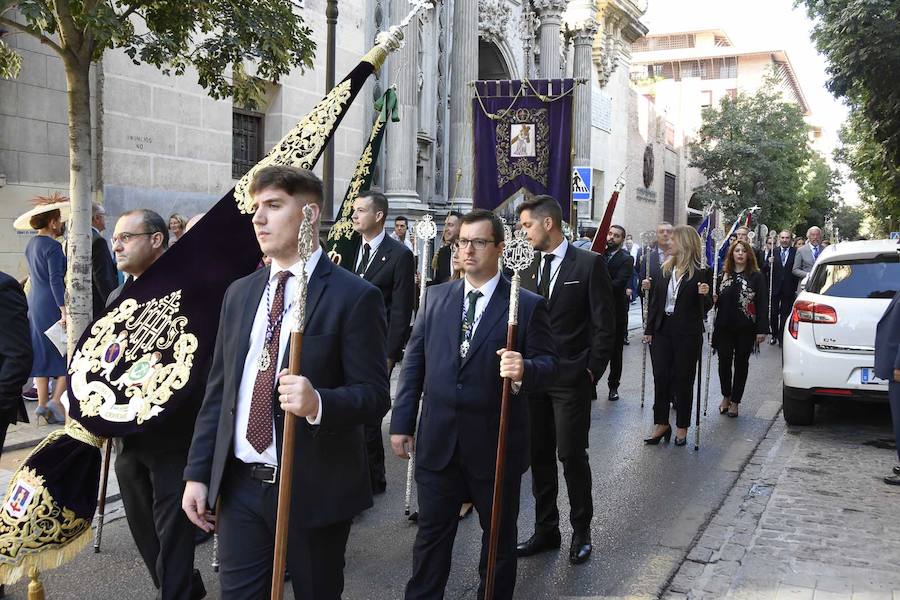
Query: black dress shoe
[[613, 395], [581, 547], [892, 480], [773, 341], [539, 542], [897, 470]]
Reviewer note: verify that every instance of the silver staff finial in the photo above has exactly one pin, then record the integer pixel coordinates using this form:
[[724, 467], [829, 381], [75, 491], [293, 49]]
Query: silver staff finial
[[305, 250], [718, 234], [425, 228]]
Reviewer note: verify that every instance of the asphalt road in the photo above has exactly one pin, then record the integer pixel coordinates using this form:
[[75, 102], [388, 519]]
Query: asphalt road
[[650, 503]]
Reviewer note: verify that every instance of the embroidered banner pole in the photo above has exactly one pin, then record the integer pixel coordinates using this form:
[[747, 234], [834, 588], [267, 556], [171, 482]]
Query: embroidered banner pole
[[523, 140]]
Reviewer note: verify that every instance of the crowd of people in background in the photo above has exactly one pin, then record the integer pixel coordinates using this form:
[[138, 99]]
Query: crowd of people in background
[[574, 321]]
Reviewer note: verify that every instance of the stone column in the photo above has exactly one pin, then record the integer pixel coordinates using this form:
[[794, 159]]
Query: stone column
[[550, 16], [463, 69], [401, 141], [582, 63]]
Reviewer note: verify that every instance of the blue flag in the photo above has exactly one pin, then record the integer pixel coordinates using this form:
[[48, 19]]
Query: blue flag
[[710, 243], [723, 249]]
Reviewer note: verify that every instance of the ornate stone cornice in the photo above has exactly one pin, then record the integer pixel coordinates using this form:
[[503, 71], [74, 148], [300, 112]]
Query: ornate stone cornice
[[493, 19], [620, 26]]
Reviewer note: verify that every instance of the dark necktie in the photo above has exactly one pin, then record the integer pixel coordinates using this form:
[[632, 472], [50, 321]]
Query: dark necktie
[[259, 425], [469, 321], [361, 269], [544, 287]]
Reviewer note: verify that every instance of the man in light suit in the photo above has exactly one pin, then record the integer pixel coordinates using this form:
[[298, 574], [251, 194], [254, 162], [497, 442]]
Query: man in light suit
[[236, 451], [577, 287], [391, 267], [887, 367], [455, 362], [808, 253]]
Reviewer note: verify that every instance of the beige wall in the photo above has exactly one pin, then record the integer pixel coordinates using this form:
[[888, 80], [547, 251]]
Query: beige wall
[[166, 144]]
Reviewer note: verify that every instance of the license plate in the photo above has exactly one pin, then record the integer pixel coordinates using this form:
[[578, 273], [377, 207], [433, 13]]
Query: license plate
[[867, 376]]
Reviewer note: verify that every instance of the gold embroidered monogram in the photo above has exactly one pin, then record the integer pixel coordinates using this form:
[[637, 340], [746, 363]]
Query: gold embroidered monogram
[[302, 144], [138, 352], [343, 228], [523, 145]]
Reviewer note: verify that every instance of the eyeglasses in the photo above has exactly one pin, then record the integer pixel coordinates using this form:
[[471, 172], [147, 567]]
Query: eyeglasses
[[478, 243], [126, 237]]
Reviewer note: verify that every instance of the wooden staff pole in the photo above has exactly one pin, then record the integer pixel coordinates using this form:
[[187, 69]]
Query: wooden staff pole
[[288, 439], [101, 497], [517, 256]]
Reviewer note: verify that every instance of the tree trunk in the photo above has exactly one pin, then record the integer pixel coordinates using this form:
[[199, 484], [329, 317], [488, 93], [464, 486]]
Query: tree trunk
[[78, 289]]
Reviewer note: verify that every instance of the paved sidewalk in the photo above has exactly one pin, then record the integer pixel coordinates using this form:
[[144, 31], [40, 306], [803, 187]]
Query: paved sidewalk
[[809, 518]]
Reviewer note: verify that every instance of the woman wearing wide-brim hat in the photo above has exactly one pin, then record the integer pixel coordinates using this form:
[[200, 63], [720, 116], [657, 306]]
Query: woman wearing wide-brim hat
[[46, 298]]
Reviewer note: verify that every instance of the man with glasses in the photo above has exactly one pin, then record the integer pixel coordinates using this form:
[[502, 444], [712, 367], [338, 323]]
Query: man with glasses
[[578, 290], [149, 464], [455, 362]]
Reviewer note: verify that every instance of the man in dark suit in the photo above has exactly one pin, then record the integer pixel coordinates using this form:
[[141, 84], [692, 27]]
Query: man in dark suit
[[887, 367], [15, 353], [149, 464], [443, 267], [103, 270], [743, 234], [391, 267], [455, 362], [784, 284], [656, 256], [620, 265], [576, 285], [235, 453]]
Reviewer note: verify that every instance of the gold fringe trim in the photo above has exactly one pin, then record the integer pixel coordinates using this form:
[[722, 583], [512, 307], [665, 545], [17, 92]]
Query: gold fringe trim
[[46, 559]]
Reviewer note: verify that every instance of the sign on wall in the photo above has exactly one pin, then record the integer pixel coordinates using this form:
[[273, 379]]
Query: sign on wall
[[601, 109]]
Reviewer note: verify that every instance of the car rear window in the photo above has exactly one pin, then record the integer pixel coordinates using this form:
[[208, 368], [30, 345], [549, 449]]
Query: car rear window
[[861, 278]]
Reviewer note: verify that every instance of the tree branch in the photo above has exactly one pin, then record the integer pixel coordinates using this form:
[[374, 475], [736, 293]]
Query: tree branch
[[39, 37], [70, 36]]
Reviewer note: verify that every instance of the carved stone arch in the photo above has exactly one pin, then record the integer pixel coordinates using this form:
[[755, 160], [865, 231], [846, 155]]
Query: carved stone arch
[[493, 62]]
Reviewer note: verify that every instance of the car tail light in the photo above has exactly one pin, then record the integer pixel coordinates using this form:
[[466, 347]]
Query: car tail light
[[810, 312]]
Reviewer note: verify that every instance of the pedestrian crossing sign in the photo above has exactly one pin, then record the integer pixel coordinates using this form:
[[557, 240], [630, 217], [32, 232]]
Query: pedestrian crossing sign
[[581, 183]]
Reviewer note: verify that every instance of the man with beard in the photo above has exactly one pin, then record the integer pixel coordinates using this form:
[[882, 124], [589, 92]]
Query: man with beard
[[577, 288], [621, 267], [443, 265]]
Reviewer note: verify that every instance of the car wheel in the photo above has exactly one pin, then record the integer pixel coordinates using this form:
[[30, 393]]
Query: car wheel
[[798, 410]]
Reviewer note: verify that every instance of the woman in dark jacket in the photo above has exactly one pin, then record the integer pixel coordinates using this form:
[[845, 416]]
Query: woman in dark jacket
[[679, 301], [740, 324]]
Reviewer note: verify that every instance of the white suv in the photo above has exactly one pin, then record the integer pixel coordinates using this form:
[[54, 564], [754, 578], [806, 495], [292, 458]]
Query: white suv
[[829, 345]]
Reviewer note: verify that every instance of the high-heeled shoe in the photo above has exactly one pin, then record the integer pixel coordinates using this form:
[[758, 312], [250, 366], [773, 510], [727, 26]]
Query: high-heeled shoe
[[654, 440], [680, 441], [58, 413], [42, 412]]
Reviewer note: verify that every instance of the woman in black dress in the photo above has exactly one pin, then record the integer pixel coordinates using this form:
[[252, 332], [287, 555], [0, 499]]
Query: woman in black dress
[[679, 301], [740, 324]]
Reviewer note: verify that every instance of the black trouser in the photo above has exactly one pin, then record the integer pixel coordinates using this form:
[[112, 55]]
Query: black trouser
[[375, 455], [615, 361], [560, 420], [674, 367], [151, 483], [440, 495], [894, 397], [734, 347], [781, 309], [247, 515]]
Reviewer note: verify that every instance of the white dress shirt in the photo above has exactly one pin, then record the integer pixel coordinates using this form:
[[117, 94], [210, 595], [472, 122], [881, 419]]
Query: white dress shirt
[[373, 248], [242, 448], [672, 291], [487, 290], [405, 241], [559, 253]]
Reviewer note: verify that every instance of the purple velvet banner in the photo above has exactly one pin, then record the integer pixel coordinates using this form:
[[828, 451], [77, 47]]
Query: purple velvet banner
[[526, 143]]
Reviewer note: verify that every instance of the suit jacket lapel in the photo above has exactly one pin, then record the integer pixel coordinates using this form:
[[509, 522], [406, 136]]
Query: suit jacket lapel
[[380, 258], [318, 281], [250, 303], [530, 275], [564, 270], [495, 310], [452, 326]]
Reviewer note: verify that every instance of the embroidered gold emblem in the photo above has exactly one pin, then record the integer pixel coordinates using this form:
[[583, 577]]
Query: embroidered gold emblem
[[302, 144], [523, 145], [343, 228], [139, 352]]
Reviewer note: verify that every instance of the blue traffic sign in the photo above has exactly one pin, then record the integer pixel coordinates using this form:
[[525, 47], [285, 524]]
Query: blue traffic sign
[[582, 183]]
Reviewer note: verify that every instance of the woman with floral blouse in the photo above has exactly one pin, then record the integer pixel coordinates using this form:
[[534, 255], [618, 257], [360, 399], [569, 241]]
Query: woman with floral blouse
[[740, 324]]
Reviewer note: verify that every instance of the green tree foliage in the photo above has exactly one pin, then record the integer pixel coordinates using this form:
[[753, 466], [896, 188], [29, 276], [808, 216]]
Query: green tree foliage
[[848, 221], [753, 149], [233, 47], [877, 177], [820, 197], [861, 41]]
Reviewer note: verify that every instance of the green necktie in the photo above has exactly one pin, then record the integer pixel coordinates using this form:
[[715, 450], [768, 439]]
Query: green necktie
[[465, 333]]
